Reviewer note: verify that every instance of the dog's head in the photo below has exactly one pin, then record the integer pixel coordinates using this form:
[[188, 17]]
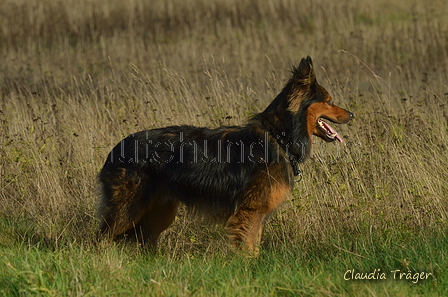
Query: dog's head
[[310, 102]]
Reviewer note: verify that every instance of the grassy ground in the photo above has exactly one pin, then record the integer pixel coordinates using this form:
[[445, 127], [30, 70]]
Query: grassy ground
[[77, 76]]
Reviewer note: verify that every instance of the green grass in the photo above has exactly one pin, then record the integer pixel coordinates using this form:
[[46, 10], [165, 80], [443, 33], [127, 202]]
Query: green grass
[[285, 270], [78, 76]]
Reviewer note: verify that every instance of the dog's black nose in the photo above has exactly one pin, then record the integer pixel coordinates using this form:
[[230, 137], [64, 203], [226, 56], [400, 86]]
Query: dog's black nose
[[351, 115]]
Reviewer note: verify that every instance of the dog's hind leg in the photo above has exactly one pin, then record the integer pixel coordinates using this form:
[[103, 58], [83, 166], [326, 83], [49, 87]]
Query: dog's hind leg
[[155, 220]]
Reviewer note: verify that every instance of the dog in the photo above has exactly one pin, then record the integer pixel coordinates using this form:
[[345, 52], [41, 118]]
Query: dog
[[234, 174]]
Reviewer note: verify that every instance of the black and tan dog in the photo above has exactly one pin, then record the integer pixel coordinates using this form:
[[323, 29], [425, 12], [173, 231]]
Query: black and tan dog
[[238, 174]]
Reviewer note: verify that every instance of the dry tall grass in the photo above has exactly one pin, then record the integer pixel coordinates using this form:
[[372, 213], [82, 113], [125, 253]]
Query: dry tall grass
[[77, 76]]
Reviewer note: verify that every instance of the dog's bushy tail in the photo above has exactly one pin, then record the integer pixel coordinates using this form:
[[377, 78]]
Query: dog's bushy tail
[[121, 200]]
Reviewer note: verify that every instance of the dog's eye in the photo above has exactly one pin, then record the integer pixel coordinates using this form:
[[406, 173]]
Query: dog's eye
[[330, 103]]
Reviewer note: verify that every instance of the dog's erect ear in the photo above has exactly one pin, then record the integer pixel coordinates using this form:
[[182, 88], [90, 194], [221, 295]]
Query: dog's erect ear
[[304, 74], [301, 83]]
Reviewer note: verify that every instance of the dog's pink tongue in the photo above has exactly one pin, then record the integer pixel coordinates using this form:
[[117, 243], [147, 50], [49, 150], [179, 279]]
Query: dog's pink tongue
[[332, 132], [339, 138]]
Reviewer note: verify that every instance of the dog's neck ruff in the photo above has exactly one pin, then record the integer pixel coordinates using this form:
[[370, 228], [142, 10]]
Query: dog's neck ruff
[[284, 141], [294, 164]]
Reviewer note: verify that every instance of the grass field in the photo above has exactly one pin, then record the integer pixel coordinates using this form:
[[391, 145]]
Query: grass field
[[78, 76]]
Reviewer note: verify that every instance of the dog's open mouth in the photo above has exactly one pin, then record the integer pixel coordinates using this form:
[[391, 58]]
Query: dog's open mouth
[[329, 132]]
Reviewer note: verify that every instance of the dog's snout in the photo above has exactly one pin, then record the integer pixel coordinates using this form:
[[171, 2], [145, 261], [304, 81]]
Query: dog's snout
[[351, 115]]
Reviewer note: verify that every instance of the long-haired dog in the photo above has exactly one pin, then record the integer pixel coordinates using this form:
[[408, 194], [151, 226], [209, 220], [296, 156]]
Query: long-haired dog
[[238, 174]]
